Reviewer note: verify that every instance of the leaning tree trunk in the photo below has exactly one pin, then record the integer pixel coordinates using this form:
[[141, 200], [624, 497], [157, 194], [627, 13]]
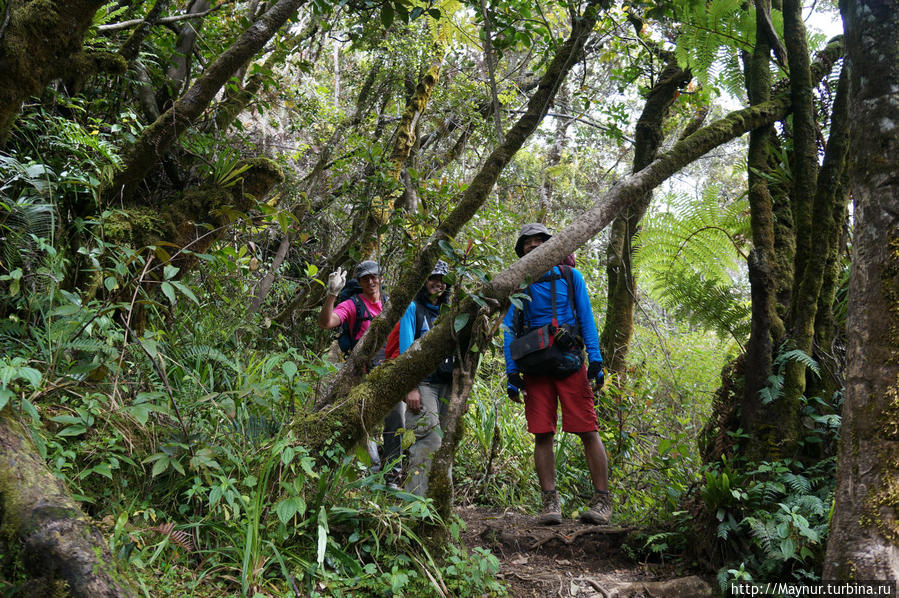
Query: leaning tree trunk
[[39, 42], [58, 543], [864, 534]]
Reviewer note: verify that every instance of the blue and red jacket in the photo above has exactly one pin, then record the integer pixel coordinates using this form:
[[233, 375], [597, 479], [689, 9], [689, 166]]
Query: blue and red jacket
[[538, 311]]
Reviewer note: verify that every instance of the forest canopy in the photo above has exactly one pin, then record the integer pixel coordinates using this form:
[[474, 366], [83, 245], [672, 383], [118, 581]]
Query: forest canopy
[[178, 179]]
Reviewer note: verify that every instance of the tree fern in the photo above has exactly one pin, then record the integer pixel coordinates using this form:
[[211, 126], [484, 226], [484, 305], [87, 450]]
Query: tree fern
[[710, 31], [692, 256]]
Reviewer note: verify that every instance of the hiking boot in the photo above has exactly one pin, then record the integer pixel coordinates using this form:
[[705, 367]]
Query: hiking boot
[[552, 509], [600, 510]]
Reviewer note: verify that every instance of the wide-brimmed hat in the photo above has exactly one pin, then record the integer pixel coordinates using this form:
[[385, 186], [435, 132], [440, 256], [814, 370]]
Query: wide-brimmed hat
[[365, 268], [534, 229]]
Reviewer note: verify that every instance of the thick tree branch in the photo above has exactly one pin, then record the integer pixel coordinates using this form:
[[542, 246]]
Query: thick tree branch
[[29, 62], [157, 139]]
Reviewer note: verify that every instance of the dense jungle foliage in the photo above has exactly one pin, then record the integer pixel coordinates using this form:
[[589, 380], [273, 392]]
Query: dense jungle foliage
[[178, 179]]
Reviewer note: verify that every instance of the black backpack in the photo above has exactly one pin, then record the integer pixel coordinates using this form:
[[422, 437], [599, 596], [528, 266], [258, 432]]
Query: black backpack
[[347, 339]]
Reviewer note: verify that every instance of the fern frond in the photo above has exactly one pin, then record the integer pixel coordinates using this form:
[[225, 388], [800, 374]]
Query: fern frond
[[764, 532], [209, 353], [799, 484], [809, 503], [710, 31], [177, 537], [704, 303], [800, 356]]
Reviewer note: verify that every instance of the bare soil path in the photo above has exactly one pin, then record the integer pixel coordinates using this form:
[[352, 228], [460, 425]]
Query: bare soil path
[[572, 560]]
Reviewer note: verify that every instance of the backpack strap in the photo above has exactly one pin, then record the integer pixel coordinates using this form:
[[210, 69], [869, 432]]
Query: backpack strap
[[551, 277], [569, 280], [362, 314], [419, 318]]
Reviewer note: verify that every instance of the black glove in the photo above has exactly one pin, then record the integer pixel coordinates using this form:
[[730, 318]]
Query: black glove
[[514, 385], [596, 372]]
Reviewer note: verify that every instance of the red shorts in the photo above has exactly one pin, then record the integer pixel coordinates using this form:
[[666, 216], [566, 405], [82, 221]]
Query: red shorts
[[574, 393]]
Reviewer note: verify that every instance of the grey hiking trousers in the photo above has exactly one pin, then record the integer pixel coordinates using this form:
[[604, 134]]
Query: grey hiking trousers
[[428, 435]]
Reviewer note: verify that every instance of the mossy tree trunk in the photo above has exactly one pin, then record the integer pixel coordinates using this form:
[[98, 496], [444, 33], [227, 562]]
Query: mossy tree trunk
[[766, 326], [622, 293], [785, 281], [58, 542], [41, 42], [864, 533], [816, 284], [806, 282]]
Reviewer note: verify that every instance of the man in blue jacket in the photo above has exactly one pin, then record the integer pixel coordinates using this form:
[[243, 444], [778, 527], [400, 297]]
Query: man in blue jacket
[[426, 405], [543, 393]]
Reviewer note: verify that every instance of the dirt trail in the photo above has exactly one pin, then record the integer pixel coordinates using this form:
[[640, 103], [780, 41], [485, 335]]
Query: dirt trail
[[571, 560]]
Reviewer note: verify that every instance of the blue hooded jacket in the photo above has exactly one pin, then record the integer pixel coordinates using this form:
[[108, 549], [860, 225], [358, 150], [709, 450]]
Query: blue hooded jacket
[[538, 311]]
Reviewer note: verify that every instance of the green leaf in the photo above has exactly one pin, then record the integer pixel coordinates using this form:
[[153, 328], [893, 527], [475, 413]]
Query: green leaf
[[5, 396], [177, 466], [169, 291], [186, 291], [111, 283], [30, 375], [169, 271], [161, 465], [103, 470], [286, 509], [788, 548], [65, 310], [30, 410], [284, 221], [76, 430], [287, 455], [460, 321], [139, 412], [150, 346], [289, 368], [386, 20]]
